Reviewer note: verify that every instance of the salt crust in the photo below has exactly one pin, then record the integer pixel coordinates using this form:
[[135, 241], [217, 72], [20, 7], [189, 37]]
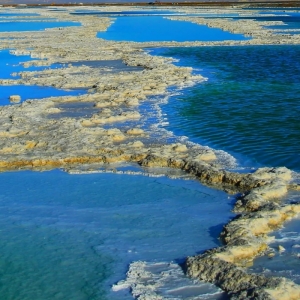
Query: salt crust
[[31, 139]]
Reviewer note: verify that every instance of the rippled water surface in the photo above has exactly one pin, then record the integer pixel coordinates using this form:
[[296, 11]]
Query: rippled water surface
[[249, 106]]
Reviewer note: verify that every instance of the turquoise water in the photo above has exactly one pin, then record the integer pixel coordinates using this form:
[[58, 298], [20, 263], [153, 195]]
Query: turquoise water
[[33, 26], [72, 236], [146, 29], [249, 106]]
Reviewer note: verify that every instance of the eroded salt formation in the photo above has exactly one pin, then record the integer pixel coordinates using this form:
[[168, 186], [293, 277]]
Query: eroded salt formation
[[35, 135]]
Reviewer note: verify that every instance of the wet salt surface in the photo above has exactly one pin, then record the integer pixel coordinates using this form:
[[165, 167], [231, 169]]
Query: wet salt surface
[[286, 262], [10, 63], [156, 28], [114, 66], [75, 110], [72, 236]]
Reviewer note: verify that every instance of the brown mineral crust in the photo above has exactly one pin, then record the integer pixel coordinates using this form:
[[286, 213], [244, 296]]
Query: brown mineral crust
[[229, 277]]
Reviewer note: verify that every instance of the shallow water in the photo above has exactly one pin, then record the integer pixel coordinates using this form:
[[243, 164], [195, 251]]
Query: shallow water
[[10, 64], [249, 106], [33, 26], [155, 28], [71, 236], [284, 263]]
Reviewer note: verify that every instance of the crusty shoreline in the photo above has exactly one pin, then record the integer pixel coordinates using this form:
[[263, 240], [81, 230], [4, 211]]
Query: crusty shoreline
[[34, 136]]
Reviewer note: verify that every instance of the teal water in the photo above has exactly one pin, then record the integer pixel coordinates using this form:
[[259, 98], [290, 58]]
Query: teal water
[[249, 106], [72, 236], [155, 28]]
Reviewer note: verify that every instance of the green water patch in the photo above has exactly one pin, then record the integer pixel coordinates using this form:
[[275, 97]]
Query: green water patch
[[249, 106]]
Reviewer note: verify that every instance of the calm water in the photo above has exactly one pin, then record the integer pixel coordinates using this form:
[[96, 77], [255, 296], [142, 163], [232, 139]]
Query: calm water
[[146, 29], [33, 26], [10, 64], [249, 106], [72, 236]]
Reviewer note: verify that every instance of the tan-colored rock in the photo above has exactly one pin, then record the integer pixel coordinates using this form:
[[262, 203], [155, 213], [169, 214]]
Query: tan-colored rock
[[15, 98]]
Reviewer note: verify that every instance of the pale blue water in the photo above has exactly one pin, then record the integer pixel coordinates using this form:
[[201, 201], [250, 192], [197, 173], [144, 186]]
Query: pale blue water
[[72, 236], [249, 106], [156, 28]]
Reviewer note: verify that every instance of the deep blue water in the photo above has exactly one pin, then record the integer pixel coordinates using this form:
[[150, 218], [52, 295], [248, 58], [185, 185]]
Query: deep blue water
[[249, 106], [146, 29]]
